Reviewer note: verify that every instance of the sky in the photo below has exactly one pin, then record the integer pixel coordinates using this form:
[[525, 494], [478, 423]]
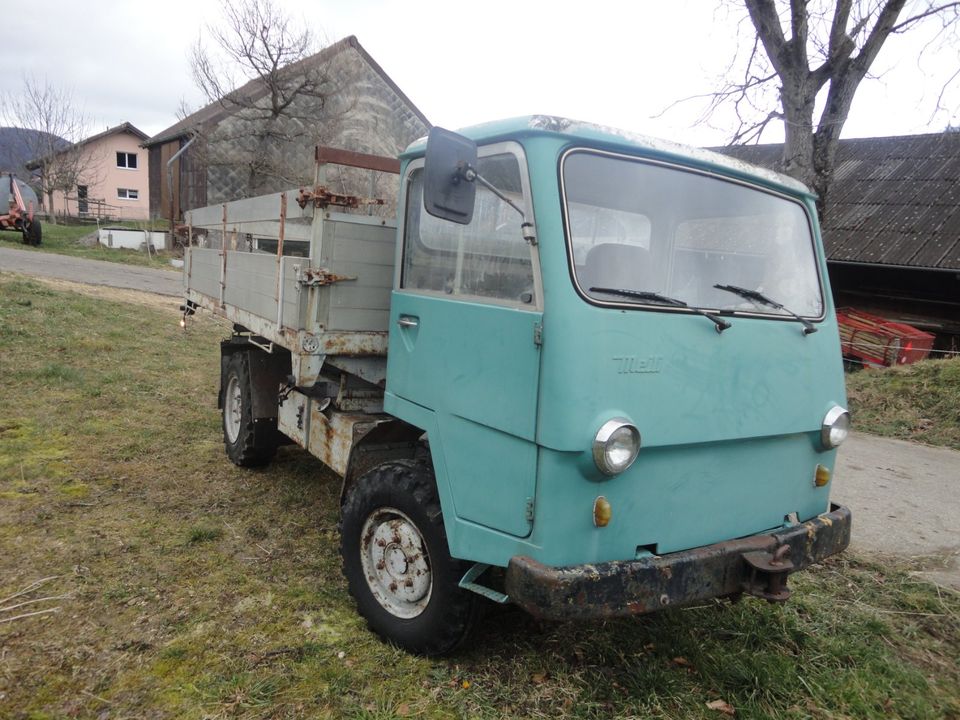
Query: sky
[[614, 63]]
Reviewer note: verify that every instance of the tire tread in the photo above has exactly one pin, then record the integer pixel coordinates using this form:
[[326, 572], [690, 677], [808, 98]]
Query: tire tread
[[415, 479]]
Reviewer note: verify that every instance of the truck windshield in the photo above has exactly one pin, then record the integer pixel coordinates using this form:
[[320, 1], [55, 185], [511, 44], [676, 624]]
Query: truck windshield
[[655, 228]]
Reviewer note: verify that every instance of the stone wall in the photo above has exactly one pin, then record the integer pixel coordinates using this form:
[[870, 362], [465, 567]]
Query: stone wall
[[363, 113]]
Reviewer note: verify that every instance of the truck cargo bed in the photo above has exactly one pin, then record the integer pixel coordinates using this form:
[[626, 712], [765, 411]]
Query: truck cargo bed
[[332, 297]]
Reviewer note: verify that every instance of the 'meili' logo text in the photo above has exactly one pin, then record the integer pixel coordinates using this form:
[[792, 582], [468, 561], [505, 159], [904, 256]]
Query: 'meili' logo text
[[632, 364]]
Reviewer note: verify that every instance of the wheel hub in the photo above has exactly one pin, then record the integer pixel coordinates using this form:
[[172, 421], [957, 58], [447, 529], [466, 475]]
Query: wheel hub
[[395, 563], [232, 409]]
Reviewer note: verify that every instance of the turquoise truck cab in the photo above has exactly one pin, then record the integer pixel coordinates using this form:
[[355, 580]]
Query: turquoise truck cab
[[624, 357], [589, 373]]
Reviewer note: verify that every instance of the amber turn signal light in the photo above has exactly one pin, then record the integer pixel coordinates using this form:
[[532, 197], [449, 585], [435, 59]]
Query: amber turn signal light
[[821, 477], [602, 512]]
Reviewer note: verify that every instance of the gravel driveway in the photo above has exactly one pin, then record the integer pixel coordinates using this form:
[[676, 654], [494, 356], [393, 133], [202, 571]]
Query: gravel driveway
[[905, 500], [92, 272]]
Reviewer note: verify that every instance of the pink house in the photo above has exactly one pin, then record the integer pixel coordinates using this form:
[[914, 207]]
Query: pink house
[[113, 177]]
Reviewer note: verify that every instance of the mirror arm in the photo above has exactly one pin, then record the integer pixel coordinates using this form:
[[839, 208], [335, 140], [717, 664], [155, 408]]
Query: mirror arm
[[471, 175]]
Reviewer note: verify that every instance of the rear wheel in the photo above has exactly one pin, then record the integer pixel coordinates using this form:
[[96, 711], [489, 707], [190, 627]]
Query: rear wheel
[[397, 564], [34, 233], [247, 442]]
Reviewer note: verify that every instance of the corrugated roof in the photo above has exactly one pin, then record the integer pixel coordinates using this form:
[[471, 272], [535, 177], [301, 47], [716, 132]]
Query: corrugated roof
[[894, 200], [256, 89]]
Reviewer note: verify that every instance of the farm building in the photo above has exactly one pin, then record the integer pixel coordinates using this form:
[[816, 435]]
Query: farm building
[[362, 110], [892, 226]]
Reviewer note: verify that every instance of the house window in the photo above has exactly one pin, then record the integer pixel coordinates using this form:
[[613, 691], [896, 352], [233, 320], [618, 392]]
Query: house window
[[128, 194], [127, 160]]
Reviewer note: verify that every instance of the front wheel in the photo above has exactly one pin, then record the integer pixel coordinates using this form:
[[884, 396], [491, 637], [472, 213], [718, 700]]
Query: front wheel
[[397, 564]]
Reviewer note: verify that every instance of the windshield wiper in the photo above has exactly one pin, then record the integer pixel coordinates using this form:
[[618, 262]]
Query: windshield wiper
[[758, 297], [720, 323]]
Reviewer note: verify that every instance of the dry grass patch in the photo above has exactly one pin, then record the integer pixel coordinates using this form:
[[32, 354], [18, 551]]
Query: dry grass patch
[[919, 402], [188, 588]]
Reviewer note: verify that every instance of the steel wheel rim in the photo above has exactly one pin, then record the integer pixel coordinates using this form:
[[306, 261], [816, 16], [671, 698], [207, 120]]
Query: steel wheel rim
[[232, 409], [395, 562]]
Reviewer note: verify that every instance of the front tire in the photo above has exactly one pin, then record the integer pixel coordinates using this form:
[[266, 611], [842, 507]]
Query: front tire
[[247, 442], [397, 563]]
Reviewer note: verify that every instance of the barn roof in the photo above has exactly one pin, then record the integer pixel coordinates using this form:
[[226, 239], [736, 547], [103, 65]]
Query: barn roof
[[894, 200], [255, 88]]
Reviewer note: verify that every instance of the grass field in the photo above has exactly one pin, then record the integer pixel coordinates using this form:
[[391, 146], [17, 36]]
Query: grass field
[[65, 240], [919, 402], [188, 588]]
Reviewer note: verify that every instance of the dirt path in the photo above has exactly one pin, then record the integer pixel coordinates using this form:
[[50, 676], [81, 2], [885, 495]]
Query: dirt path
[[905, 500], [91, 272]]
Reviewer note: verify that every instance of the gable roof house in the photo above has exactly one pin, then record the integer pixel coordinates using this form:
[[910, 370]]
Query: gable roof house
[[892, 226], [361, 110], [107, 173]]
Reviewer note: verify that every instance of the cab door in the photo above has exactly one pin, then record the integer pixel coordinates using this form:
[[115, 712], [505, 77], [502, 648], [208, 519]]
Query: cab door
[[464, 342]]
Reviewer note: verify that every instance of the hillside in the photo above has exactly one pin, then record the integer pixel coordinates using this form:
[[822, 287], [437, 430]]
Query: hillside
[[15, 148]]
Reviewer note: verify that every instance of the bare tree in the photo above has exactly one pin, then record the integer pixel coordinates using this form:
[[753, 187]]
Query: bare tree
[[57, 126], [810, 56], [259, 68]]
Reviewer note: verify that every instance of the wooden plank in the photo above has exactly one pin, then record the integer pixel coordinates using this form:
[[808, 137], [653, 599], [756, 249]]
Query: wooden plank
[[255, 209], [365, 161]]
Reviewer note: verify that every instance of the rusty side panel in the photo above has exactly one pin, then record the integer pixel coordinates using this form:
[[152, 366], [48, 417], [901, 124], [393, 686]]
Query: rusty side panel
[[332, 435], [285, 336], [640, 586], [354, 343]]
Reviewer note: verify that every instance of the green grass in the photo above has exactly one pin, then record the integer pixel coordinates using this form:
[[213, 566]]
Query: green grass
[[919, 402], [65, 240], [200, 590]]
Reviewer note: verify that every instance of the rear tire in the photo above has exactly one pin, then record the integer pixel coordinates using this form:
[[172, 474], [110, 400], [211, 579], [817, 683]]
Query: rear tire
[[397, 562], [34, 233], [249, 443]]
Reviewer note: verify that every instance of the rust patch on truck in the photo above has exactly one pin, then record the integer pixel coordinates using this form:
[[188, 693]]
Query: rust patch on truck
[[758, 565], [332, 435], [321, 197], [354, 343]]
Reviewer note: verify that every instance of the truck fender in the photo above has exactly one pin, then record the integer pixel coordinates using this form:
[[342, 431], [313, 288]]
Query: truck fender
[[391, 439], [268, 371]]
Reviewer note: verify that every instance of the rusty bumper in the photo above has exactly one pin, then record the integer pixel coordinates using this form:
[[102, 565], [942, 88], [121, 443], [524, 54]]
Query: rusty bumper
[[757, 565]]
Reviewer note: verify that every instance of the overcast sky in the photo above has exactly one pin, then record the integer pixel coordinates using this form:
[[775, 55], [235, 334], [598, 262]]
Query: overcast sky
[[615, 63]]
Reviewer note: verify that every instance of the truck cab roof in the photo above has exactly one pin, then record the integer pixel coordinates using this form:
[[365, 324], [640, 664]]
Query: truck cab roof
[[615, 139]]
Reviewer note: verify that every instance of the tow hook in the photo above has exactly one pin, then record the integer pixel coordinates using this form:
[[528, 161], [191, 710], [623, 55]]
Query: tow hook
[[768, 574]]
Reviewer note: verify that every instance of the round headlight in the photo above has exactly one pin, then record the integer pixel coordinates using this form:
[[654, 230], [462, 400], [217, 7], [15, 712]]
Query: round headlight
[[616, 446], [835, 427]]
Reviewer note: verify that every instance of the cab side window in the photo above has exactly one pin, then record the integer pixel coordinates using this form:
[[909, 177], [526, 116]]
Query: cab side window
[[486, 259]]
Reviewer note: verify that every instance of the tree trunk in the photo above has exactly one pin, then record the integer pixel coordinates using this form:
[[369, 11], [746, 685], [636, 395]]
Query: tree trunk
[[52, 214]]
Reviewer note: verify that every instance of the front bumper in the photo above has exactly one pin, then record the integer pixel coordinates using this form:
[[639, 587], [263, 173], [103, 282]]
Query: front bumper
[[758, 565]]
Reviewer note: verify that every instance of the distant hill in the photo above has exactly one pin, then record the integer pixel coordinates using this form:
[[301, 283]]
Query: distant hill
[[15, 144]]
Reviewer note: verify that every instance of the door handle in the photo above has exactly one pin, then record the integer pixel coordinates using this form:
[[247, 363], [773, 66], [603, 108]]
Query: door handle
[[406, 321]]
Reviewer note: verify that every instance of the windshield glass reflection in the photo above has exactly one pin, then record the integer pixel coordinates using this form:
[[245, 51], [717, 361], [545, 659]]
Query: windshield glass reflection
[[640, 226]]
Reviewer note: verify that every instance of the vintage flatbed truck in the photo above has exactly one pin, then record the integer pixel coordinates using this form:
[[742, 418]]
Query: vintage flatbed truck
[[586, 372]]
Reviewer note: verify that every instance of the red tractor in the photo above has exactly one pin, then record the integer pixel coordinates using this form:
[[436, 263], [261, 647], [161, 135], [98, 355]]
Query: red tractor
[[21, 201]]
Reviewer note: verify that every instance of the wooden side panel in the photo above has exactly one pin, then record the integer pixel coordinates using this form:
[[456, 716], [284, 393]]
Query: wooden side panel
[[204, 268], [364, 252], [251, 285]]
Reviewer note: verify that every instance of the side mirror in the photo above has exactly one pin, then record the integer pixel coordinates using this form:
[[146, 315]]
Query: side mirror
[[447, 193]]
